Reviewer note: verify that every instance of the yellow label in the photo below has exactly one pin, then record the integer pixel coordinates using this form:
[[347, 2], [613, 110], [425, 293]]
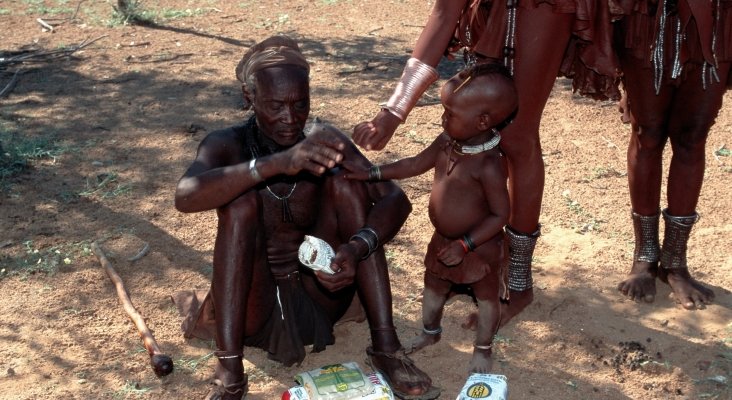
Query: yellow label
[[479, 391]]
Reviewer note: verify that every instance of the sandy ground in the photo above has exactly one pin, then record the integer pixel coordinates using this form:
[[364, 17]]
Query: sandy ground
[[122, 119]]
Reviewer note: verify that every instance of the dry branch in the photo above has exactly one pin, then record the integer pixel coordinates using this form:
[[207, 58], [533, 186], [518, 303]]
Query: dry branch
[[10, 86], [161, 363], [45, 56]]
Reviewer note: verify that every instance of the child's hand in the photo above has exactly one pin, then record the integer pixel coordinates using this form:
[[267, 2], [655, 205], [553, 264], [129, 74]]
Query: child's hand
[[452, 254], [355, 170]]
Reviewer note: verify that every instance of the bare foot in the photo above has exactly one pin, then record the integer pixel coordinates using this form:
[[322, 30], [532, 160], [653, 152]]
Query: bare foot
[[405, 379], [518, 301], [227, 386], [422, 341], [482, 362], [641, 282], [687, 291]]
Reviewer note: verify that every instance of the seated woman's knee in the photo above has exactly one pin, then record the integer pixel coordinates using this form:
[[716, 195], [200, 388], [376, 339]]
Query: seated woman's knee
[[243, 207], [347, 191]]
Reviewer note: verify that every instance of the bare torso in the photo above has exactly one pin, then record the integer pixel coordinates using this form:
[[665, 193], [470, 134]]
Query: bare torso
[[303, 195], [458, 202]]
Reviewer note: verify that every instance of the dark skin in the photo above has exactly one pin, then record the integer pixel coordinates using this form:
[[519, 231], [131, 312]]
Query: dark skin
[[541, 37], [253, 242], [683, 115], [468, 196]]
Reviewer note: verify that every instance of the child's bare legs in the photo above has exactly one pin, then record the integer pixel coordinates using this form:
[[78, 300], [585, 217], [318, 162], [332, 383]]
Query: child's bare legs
[[486, 293], [436, 291], [542, 37]]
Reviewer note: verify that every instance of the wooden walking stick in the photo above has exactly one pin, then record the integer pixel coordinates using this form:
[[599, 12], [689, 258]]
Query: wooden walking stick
[[161, 363]]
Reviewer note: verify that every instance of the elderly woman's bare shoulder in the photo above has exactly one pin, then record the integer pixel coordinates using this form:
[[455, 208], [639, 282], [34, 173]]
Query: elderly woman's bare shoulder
[[226, 138]]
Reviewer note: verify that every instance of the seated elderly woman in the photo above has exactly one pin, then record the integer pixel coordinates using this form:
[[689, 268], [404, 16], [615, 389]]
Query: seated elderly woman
[[271, 185]]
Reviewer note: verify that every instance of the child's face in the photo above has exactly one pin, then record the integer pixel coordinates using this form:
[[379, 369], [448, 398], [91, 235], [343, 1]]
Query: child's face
[[462, 110]]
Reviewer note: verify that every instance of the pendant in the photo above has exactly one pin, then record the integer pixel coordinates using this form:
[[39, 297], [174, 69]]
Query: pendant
[[286, 212]]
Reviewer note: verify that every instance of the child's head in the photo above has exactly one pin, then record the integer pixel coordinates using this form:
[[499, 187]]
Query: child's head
[[477, 100]]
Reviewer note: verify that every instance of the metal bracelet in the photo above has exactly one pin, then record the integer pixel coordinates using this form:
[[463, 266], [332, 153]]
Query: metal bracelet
[[253, 170], [374, 173], [469, 242], [370, 237], [416, 78]]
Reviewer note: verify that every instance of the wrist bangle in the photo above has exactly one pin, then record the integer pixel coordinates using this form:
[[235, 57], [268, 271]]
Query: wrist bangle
[[374, 173], [468, 243], [465, 245], [370, 237], [253, 170]]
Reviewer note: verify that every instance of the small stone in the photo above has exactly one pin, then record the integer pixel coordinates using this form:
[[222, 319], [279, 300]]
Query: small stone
[[664, 322], [11, 372], [97, 163], [81, 381]]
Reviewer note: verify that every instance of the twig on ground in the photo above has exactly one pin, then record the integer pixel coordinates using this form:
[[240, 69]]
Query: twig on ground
[[61, 21], [10, 86], [147, 59], [134, 44], [44, 24], [141, 253], [45, 56]]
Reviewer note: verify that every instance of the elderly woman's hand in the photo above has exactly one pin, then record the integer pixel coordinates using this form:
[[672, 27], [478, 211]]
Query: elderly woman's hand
[[344, 263], [317, 153]]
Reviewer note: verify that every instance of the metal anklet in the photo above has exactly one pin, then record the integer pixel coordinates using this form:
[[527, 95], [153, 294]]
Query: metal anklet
[[521, 250], [483, 347], [432, 332], [645, 228], [225, 355], [675, 239]]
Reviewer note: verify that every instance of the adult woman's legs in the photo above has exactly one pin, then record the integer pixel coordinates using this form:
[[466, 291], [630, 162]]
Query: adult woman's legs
[[690, 119], [541, 39], [242, 290], [351, 202], [648, 113]]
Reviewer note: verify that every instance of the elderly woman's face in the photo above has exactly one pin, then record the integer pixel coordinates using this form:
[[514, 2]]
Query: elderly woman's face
[[282, 103]]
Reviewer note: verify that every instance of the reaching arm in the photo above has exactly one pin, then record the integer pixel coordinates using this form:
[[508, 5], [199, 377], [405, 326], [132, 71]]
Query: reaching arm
[[404, 168], [218, 175], [430, 46]]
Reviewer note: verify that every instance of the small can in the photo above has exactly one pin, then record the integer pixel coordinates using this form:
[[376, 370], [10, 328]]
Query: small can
[[484, 387], [316, 254]]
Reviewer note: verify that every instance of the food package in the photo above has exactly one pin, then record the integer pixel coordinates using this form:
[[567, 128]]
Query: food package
[[316, 254], [484, 387], [339, 382]]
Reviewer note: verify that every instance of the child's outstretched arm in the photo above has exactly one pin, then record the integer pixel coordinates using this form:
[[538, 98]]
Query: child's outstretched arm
[[404, 168]]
